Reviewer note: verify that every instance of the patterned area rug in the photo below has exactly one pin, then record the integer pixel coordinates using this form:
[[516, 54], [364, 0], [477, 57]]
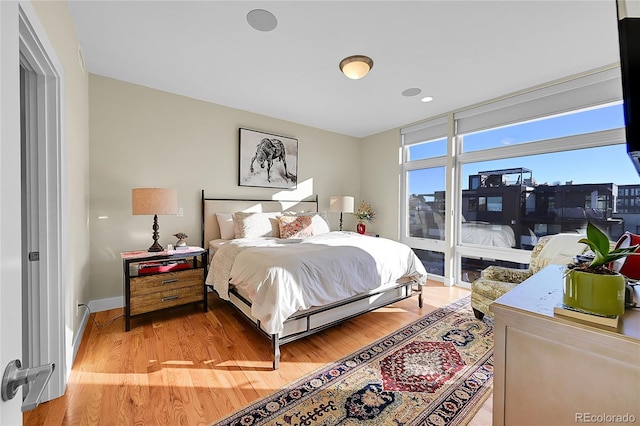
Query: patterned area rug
[[435, 371]]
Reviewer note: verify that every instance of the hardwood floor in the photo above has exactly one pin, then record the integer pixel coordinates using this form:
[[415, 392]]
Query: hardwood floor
[[189, 368]]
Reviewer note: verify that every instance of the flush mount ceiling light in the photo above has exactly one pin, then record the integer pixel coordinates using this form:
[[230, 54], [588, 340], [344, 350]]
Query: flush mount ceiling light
[[427, 99], [356, 66]]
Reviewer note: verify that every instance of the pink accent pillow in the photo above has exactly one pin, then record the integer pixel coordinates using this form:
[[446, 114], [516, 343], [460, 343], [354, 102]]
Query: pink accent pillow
[[295, 226]]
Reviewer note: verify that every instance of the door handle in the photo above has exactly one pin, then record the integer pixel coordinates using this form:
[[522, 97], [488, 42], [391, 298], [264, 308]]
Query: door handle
[[16, 376]]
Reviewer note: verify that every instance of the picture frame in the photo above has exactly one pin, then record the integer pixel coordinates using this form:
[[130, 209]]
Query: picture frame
[[267, 160]]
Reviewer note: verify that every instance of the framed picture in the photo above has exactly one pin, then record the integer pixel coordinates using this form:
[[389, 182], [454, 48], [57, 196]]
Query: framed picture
[[266, 160]]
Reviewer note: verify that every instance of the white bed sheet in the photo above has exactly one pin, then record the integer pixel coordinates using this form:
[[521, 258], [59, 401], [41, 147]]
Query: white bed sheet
[[284, 276]]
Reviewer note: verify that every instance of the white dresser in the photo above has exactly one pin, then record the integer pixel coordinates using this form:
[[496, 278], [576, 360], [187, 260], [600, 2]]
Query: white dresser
[[553, 370]]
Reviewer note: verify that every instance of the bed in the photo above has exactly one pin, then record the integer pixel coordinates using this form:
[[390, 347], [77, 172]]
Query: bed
[[280, 266]]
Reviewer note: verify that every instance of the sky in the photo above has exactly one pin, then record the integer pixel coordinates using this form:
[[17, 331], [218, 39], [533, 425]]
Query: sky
[[609, 164]]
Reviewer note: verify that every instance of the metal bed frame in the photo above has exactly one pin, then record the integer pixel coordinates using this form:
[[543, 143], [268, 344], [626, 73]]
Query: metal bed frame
[[311, 321]]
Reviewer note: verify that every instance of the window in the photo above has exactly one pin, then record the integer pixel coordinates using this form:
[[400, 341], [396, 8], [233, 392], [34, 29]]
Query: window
[[581, 122], [426, 203], [494, 204], [429, 149], [424, 192], [537, 163]]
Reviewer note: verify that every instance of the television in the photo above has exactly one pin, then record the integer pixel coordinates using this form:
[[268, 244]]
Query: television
[[629, 40]]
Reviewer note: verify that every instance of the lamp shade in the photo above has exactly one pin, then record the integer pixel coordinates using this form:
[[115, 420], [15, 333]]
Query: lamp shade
[[356, 66], [341, 203], [154, 201]]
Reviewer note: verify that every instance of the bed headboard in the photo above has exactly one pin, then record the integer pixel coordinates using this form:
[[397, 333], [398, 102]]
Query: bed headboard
[[211, 206]]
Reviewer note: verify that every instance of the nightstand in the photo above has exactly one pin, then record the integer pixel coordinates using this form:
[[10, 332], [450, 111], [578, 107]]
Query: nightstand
[[156, 281]]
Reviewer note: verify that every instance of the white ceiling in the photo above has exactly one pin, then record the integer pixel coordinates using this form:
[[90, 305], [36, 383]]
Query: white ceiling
[[459, 52]]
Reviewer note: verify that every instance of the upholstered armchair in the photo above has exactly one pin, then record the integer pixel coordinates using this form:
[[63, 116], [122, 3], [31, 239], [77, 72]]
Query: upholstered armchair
[[495, 281]]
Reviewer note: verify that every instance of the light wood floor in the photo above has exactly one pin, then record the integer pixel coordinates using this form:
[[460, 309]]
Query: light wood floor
[[190, 368]]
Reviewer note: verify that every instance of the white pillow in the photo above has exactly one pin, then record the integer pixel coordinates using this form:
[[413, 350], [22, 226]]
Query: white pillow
[[252, 225], [320, 223], [225, 221]]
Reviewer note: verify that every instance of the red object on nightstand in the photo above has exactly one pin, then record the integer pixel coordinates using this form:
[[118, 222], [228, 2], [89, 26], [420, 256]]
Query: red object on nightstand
[[163, 266], [361, 228]]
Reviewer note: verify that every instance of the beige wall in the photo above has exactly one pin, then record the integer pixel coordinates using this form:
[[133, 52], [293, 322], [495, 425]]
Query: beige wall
[[380, 180], [56, 20], [143, 137]]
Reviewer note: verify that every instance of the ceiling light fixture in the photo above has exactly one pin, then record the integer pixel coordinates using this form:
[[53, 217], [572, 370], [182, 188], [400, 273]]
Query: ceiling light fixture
[[427, 99], [356, 66]]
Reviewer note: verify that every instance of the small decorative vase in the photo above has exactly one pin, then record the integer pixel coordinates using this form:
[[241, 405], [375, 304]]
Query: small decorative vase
[[181, 236], [361, 228], [594, 293]]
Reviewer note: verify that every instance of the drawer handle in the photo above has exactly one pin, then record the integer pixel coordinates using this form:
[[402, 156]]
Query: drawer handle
[[173, 280], [169, 298]]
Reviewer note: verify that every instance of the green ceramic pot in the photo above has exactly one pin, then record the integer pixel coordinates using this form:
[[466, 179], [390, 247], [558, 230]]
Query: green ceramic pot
[[594, 293]]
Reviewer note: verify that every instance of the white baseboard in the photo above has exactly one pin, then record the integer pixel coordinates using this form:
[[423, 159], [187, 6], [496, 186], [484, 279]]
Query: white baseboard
[[94, 306], [106, 304], [79, 334]]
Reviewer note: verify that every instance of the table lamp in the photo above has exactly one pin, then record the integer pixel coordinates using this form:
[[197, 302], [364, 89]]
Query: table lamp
[[342, 204], [154, 201]]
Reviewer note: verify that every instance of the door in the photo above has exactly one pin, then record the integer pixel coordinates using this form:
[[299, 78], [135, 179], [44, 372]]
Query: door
[[10, 200], [31, 266]]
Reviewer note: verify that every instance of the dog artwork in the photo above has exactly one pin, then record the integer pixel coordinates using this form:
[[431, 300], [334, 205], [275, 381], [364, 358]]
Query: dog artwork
[[268, 151], [267, 160]]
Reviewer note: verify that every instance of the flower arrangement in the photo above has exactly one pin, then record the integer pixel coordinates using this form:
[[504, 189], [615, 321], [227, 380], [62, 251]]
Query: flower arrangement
[[365, 212]]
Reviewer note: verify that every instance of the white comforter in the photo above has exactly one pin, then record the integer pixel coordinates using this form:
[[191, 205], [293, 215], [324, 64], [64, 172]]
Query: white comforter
[[284, 276]]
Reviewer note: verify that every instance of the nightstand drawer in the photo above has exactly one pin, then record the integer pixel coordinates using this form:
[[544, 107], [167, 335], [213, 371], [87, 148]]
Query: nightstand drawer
[[165, 299], [167, 281]]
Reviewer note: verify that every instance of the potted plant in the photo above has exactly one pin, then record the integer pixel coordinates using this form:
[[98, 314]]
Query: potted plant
[[591, 285], [364, 212]]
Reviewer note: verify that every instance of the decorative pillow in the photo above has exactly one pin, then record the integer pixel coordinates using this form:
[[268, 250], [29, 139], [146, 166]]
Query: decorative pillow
[[252, 224], [225, 222], [295, 226], [319, 221]]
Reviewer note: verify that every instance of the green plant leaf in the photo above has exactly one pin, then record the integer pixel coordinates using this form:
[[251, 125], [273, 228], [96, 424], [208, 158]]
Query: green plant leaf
[[599, 243], [598, 238]]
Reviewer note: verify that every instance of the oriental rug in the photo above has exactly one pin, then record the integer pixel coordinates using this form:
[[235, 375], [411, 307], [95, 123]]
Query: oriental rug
[[437, 370]]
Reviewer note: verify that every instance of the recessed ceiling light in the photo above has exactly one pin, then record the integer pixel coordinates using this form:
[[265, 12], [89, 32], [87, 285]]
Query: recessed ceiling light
[[262, 20], [356, 66], [426, 99], [414, 91]]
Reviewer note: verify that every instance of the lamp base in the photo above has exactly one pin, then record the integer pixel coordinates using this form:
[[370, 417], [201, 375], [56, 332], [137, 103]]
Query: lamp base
[[155, 246]]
